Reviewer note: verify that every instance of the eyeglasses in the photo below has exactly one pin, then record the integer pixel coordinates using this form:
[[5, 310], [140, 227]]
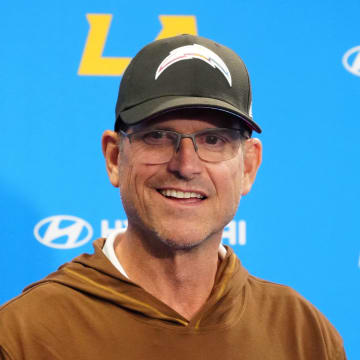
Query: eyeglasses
[[211, 145]]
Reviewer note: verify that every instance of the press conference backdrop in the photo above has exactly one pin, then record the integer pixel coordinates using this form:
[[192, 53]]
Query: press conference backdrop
[[61, 64]]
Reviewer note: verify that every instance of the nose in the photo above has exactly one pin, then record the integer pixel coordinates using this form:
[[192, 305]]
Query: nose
[[185, 162]]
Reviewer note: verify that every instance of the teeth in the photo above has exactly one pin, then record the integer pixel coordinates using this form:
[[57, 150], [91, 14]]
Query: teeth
[[181, 194]]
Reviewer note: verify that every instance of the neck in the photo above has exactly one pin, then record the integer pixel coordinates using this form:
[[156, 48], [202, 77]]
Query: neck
[[182, 279]]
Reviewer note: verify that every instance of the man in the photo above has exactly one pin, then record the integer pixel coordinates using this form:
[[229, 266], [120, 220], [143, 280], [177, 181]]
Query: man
[[182, 156]]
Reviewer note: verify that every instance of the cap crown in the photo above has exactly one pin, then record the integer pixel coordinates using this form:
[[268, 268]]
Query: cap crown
[[184, 71]]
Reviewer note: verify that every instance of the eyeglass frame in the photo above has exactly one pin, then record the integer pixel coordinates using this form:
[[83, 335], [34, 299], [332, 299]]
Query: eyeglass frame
[[179, 136]]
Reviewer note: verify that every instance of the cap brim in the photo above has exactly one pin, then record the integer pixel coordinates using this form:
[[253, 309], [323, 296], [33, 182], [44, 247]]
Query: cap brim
[[155, 107]]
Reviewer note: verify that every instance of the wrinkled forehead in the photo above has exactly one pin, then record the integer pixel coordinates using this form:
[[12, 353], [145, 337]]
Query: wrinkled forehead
[[192, 120]]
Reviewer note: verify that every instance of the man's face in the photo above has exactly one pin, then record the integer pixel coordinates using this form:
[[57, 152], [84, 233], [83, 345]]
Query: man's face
[[156, 197]]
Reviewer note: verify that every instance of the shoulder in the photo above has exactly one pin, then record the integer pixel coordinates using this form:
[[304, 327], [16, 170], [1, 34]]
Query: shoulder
[[44, 303], [33, 303], [267, 290], [39, 323], [283, 299], [284, 309], [23, 315], [280, 296]]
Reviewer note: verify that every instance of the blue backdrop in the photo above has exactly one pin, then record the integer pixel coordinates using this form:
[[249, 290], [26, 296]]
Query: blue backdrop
[[61, 63]]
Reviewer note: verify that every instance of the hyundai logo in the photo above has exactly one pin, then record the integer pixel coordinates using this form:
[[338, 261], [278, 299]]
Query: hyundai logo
[[63, 231], [351, 60]]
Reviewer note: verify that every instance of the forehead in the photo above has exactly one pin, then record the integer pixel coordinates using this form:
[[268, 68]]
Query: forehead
[[191, 120]]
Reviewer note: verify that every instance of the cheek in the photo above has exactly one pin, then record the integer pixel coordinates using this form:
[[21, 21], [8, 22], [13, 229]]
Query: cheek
[[228, 181], [126, 192], [125, 171], [238, 176], [128, 170], [135, 180]]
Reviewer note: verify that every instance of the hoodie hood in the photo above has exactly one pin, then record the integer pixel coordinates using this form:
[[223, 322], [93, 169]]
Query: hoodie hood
[[95, 276]]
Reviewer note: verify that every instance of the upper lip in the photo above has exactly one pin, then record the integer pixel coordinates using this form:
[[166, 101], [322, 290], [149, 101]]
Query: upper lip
[[202, 193]]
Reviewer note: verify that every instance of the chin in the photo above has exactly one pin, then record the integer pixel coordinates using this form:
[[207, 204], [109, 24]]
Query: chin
[[182, 240], [177, 245]]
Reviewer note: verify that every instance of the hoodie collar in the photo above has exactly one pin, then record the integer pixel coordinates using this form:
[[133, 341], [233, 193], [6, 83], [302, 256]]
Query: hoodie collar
[[95, 275]]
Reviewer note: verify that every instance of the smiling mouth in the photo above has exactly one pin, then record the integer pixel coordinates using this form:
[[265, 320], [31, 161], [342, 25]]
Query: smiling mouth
[[177, 194]]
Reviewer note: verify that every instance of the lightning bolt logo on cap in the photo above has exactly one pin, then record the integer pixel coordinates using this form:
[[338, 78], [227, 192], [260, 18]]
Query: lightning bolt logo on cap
[[194, 51]]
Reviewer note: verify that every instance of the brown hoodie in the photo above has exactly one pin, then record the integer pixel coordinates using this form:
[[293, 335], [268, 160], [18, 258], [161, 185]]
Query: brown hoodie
[[88, 310]]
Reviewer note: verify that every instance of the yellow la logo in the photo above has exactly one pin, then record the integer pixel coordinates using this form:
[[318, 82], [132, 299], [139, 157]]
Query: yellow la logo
[[92, 61]]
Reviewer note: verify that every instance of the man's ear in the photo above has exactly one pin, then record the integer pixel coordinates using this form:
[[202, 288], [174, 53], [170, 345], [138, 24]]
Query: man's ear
[[252, 161], [111, 153]]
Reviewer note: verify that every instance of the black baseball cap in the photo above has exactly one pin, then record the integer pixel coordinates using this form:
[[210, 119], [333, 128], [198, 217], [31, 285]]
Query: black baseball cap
[[184, 71]]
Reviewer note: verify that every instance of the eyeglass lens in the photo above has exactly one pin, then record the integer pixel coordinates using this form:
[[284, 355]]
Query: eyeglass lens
[[213, 145]]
